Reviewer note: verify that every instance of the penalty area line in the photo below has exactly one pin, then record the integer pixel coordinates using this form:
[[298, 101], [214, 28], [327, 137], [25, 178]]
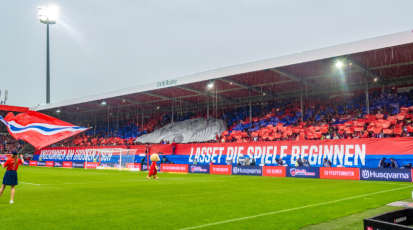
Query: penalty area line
[[291, 209]]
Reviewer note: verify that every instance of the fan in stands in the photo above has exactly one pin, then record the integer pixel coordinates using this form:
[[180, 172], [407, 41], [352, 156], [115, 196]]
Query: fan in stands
[[390, 115], [9, 144]]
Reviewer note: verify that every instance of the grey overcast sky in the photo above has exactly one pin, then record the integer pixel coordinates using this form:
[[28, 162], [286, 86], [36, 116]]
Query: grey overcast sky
[[97, 46]]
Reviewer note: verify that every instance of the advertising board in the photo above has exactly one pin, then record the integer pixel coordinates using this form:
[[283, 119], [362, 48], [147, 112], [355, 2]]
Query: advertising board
[[304, 172], [221, 169], [340, 173], [41, 163], [78, 164], [67, 164], [174, 168], [381, 174], [274, 171], [198, 168], [247, 170]]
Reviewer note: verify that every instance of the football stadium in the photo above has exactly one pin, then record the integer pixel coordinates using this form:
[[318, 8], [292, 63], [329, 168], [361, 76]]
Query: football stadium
[[320, 139]]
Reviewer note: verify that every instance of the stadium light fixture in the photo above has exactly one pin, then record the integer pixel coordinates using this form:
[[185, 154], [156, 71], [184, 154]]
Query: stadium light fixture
[[339, 64], [103, 102], [58, 111], [210, 84], [48, 15]]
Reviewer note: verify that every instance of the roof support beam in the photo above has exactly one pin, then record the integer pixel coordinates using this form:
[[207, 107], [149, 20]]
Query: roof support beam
[[293, 76], [166, 97], [82, 107], [366, 71], [135, 102], [200, 92], [264, 92]]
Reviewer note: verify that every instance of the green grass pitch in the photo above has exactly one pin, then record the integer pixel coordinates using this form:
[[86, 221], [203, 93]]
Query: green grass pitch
[[60, 198]]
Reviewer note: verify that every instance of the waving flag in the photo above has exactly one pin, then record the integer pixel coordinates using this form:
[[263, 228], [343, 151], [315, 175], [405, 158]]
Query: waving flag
[[39, 129]]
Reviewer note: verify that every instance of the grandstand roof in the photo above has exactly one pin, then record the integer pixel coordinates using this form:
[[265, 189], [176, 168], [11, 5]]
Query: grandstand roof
[[386, 61]]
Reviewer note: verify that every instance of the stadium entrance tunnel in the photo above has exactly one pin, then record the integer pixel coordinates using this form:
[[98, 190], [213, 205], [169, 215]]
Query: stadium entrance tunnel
[[395, 220]]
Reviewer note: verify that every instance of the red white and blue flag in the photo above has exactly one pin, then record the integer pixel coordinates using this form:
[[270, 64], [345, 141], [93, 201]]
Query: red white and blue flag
[[39, 129]]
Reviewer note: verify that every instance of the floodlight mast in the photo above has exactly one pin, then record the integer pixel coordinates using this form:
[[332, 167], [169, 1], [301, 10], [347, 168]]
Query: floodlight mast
[[47, 15]]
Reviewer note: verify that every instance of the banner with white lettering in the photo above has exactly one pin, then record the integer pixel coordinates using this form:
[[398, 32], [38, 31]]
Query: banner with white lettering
[[95, 154], [345, 153], [364, 153]]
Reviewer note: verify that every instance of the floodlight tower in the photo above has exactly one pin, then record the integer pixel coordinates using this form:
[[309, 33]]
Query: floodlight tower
[[48, 15]]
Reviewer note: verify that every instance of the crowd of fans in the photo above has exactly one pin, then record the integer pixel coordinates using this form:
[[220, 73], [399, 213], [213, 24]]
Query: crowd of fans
[[389, 115], [9, 144]]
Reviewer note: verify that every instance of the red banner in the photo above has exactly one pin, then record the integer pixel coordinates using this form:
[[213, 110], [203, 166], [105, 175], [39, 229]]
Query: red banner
[[275, 171], [340, 173], [174, 168], [221, 169], [373, 146], [49, 163], [67, 164], [33, 163]]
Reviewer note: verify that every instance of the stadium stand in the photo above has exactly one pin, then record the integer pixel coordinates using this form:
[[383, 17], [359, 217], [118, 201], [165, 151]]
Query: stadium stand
[[390, 115]]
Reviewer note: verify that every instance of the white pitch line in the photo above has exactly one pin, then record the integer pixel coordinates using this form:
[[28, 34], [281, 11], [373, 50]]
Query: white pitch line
[[29, 183], [291, 209], [102, 182]]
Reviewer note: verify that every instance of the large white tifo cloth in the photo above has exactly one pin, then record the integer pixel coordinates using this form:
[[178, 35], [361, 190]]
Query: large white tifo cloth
[[188, 131]]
